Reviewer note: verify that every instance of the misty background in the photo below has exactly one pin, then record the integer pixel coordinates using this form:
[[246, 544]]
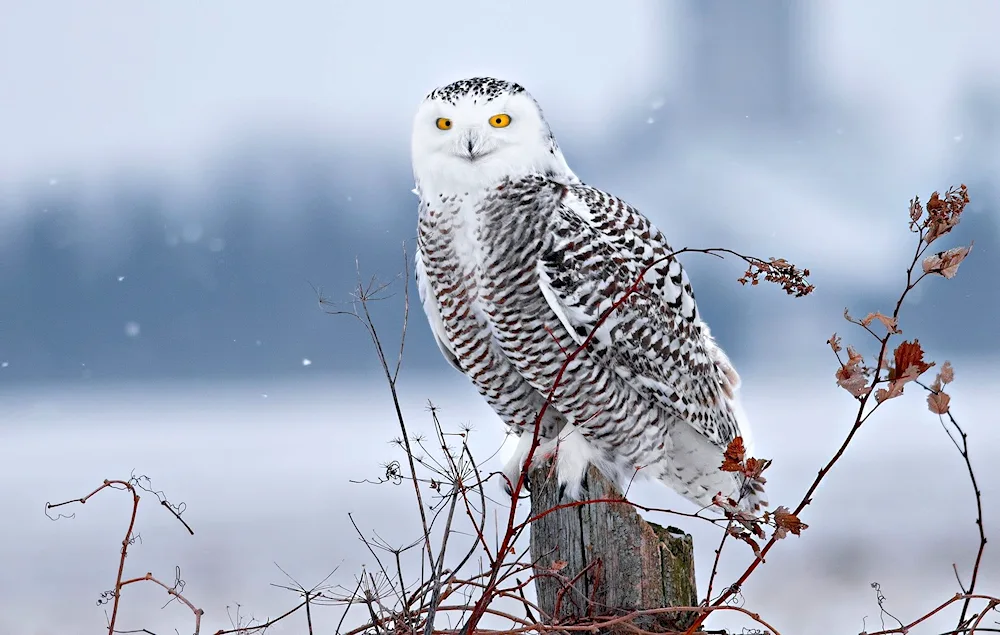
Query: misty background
[[180, 182]]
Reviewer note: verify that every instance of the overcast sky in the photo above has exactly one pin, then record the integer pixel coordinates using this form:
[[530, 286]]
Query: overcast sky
[[87, 85]]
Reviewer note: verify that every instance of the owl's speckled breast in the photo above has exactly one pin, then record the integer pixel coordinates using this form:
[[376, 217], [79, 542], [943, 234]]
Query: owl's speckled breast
[[450, 251]]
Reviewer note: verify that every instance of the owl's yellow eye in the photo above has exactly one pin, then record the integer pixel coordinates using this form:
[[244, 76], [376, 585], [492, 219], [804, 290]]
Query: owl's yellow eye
[[443, 123], [500, 121]]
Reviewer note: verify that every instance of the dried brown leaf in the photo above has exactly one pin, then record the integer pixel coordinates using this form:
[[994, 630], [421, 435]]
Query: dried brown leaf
[[851, 376], [558, 565], [888, 322], [935, 203], [732, 460], [938, 402], [916, 210], [943, 214], [945, 263], [907, 355], [785, 519], [779, 271], [755, 468], [834, 343], [727, 504], [895, 389], [947, 374]]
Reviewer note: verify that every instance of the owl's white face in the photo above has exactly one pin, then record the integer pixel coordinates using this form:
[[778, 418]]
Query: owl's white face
[[473, 133]]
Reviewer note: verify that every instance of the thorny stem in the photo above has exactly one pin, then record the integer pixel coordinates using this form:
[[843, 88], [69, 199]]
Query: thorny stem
[[121, 562], [609, 624], [991, 602], [715, 563], [173, 592], [129, 486], [963, 449]]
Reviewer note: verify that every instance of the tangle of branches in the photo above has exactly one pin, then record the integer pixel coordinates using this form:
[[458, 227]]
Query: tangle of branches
[[467, 563]]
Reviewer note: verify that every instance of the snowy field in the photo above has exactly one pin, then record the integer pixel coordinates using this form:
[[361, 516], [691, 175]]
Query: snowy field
[[264, 470]]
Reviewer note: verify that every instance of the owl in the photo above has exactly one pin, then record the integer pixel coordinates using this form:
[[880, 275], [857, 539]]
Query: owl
[[527, 274]]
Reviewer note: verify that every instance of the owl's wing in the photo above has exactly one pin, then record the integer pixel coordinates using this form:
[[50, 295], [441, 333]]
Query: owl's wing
[[433, 314], [597, 250]]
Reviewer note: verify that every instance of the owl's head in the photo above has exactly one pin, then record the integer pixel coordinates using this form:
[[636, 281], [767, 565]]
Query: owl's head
[[474, 132]]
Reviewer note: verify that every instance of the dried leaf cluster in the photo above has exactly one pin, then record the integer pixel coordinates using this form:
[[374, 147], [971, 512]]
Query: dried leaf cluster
[[744, 525], [779, 271], [938, 400], [938, 217]]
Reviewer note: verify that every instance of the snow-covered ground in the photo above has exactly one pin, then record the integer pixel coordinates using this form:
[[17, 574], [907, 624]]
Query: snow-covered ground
[[264, 470]]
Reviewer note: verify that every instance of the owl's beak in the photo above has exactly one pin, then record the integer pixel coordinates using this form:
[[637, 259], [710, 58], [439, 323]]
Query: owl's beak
[[472, 146]]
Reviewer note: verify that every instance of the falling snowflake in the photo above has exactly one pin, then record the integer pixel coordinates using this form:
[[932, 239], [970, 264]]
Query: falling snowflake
[[306, 361], [132, 329]]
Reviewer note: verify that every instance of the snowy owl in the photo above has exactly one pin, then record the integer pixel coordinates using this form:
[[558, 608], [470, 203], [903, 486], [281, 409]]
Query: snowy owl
[[516, 262]]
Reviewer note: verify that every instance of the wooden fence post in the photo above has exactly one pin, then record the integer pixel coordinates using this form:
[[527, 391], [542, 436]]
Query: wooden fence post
[[615, 562]]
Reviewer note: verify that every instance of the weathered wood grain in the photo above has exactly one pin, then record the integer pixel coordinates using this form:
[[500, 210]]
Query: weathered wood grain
[[615, 562]]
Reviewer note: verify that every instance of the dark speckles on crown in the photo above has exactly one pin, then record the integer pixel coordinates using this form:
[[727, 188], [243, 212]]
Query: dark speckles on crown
[[476, 87]]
